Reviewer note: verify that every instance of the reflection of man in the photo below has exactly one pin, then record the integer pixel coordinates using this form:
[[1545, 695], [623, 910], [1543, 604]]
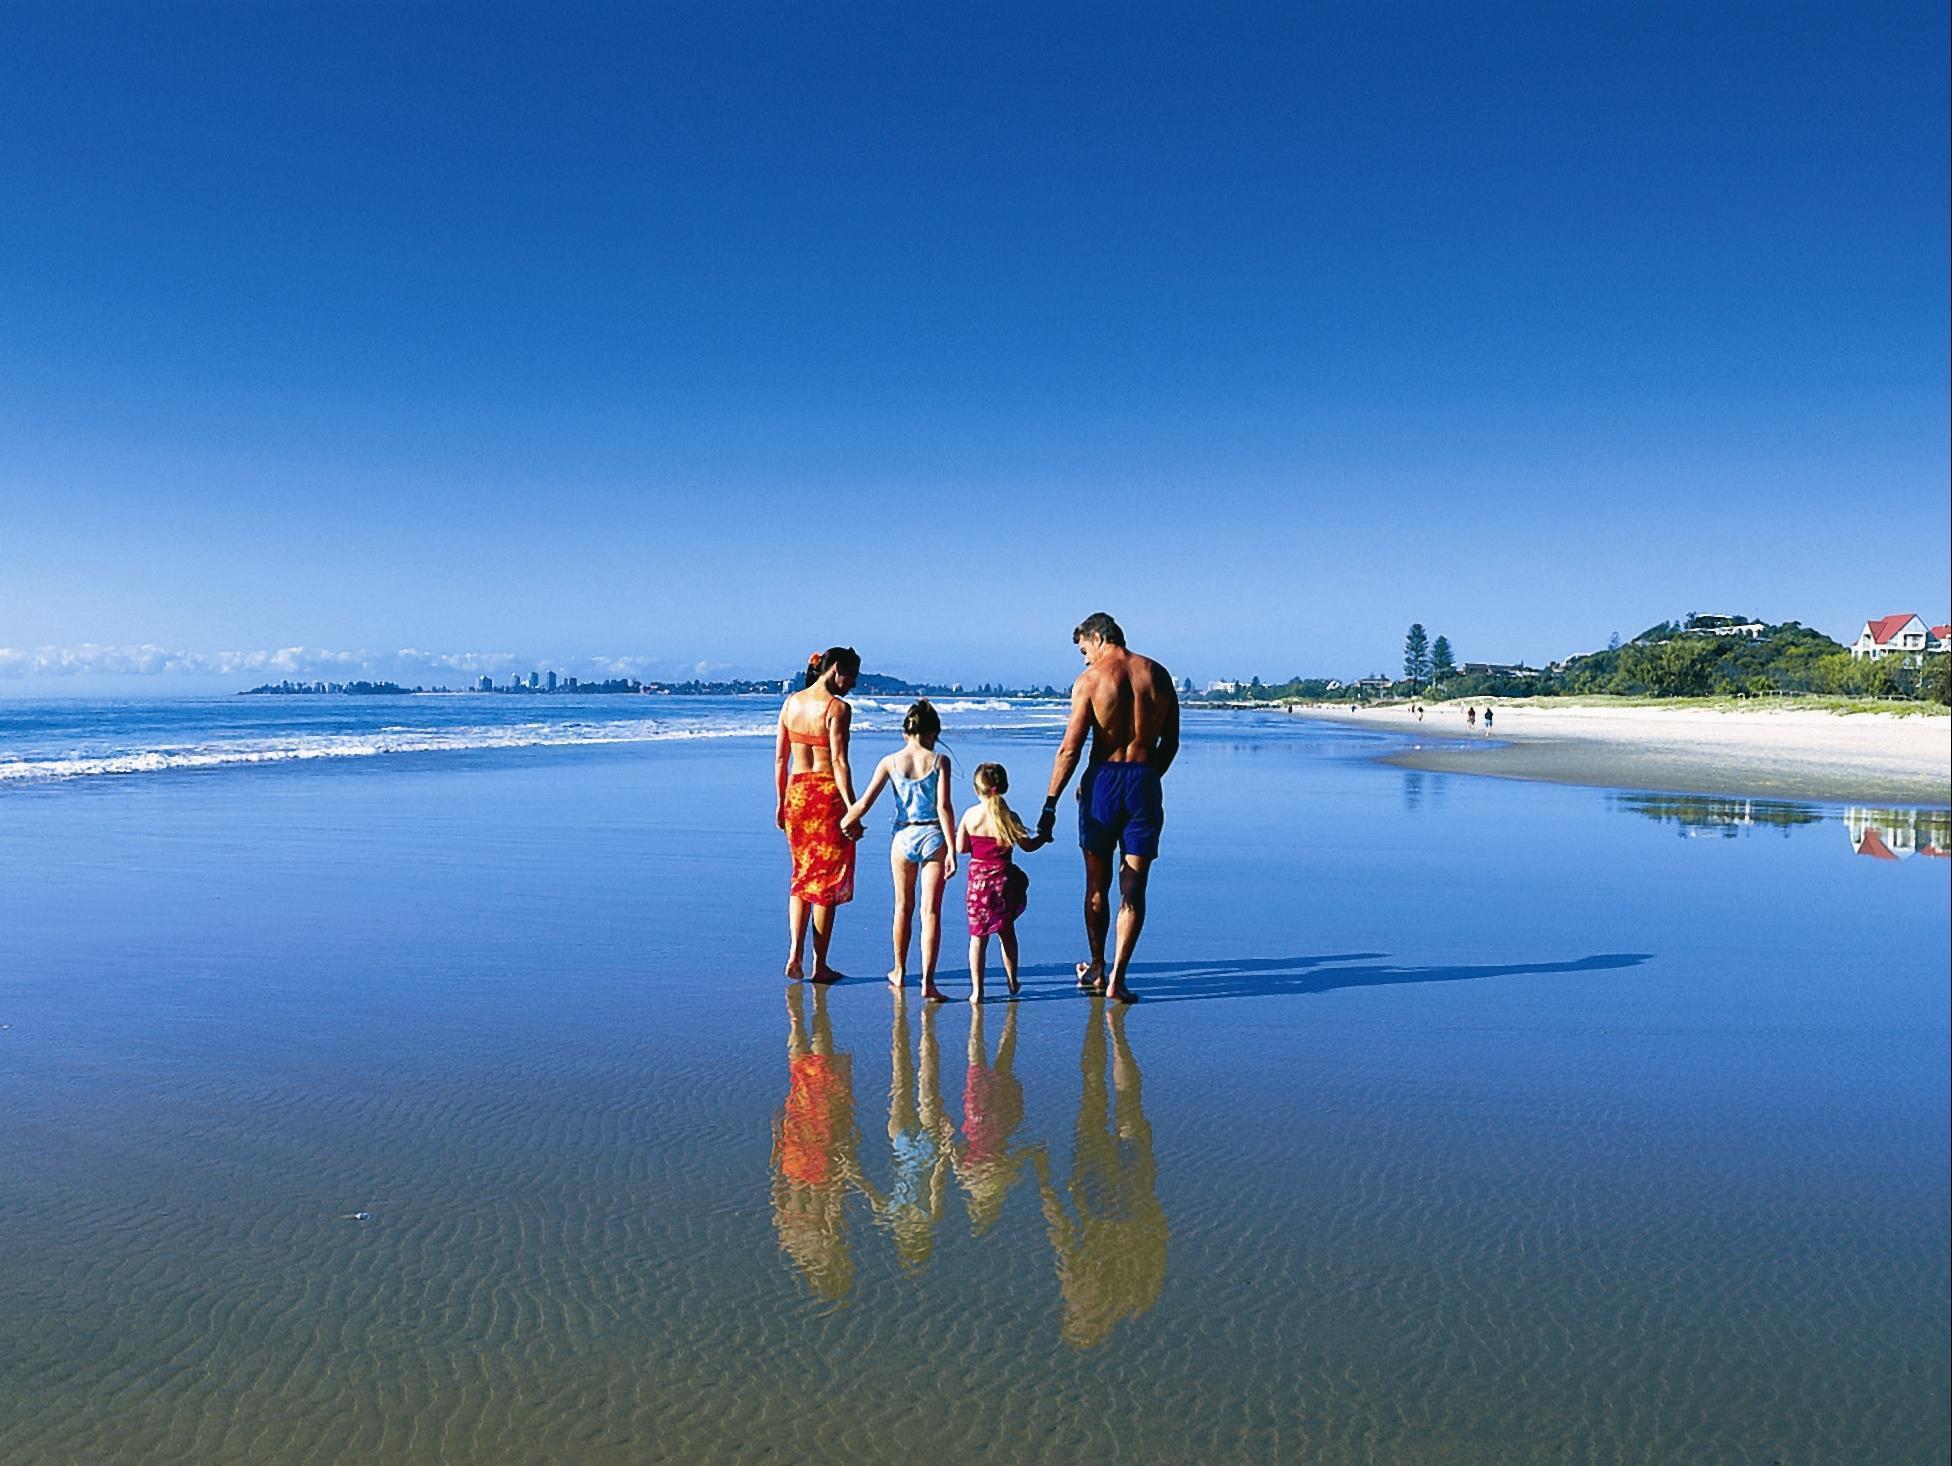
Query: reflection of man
[[816, 1151], [1111, 1262], [1127, 705]]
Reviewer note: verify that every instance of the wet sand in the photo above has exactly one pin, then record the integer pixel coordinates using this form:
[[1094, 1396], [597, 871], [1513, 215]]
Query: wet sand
[[1784, 753]]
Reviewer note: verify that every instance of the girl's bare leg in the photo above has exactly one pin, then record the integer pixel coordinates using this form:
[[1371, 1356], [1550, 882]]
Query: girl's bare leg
[[1007, 939], [904, 873], [796, 937], [931, 928], [978, 947]]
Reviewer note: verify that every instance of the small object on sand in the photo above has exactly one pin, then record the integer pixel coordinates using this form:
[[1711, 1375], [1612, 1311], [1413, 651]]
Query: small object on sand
[[357, 1216]]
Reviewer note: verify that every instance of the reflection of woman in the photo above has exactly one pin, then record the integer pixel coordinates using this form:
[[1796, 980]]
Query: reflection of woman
[[918, 1138], [815, 786], [992, 1108], [1111, 1262], [816, 1152]]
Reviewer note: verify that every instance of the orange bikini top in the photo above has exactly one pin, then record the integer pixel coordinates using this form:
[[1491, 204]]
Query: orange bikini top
[[809, 740]]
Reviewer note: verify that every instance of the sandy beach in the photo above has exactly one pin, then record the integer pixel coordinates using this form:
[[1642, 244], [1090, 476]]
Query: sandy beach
[[1788, 753]]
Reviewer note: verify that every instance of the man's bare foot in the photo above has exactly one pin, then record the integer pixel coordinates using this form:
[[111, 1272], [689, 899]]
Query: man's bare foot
[[1119, 992], [794, 970], [897, 977], [826, 974], [1091, 977]]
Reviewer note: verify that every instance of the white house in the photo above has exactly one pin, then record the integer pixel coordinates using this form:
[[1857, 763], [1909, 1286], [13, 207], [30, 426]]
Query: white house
[[1904, 635]]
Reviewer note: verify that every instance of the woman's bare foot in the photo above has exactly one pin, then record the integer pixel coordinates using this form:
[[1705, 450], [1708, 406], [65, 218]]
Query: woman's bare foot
[[976, 997], [794, 970], [1091, 977], [897, 977], [826, 974], [1120, 992], [933, 994]]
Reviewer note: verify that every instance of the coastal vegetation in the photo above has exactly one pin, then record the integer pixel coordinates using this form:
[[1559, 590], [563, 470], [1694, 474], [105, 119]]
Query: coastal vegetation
[[1692, 657]]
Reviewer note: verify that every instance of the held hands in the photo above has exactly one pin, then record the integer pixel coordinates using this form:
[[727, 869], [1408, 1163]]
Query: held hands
[[1047, 821]]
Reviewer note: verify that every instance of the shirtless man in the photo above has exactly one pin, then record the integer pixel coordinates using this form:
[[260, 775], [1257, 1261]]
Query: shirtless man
[[1127, 705]]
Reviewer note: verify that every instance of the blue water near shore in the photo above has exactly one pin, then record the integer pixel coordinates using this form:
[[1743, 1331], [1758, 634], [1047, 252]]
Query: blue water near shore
[[1461, 1120]]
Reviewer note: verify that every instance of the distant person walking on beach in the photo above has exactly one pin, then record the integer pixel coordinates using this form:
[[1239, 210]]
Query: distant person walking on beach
[[997, 890], [1126, 705], [923, 852], [1471, 716], [816, 786], [1487, 720]]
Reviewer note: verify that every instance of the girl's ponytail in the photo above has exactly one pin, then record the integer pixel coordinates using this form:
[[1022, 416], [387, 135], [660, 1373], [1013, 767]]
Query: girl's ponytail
[[992, 783]]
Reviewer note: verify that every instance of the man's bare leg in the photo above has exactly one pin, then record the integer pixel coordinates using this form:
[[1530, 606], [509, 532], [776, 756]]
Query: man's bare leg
[[904, 872], [1097, 918], [823, 933], [796, 937], [1132, 876], [931, 879]]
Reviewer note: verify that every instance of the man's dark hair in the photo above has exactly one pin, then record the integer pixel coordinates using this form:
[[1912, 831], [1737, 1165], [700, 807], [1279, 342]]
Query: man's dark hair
[[1099, 623]]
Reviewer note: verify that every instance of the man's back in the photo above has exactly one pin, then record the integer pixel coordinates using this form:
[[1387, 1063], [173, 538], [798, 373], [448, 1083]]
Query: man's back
[[1134, 709]]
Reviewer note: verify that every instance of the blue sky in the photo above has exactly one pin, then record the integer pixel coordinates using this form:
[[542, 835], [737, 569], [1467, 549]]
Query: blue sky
[[709, 334]]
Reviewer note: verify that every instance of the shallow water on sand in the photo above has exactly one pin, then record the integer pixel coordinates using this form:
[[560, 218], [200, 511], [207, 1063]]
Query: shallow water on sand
[[1461, 1121]]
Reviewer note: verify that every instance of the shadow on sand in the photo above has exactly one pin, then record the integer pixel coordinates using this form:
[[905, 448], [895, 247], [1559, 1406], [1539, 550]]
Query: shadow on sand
[[1286, 977]]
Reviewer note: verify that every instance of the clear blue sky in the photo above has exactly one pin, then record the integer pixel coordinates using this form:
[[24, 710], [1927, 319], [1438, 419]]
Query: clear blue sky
[[714, 333]]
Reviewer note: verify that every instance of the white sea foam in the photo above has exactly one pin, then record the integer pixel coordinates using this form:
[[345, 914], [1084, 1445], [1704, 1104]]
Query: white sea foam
[[373, 743]]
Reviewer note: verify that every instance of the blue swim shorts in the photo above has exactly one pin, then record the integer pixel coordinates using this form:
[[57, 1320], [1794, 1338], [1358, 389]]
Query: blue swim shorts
[[919, 844], [1119, 805]]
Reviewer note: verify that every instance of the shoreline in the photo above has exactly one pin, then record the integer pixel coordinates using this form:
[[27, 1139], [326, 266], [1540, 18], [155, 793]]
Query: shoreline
[[1859, 758]]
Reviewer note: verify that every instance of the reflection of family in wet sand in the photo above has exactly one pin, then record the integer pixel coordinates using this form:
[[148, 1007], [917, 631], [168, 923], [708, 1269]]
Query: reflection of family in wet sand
[[1122, 706], [1105, 1224]]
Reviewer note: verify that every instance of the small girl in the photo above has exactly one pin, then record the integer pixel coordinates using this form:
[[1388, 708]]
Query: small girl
[[925, 825], [998, 891]]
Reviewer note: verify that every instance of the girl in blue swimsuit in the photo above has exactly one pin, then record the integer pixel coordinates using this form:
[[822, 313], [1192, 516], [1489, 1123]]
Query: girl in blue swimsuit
[[923, 855]]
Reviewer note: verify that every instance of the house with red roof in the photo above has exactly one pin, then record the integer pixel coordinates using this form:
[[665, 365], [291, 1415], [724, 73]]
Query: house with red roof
[[1905, 635]]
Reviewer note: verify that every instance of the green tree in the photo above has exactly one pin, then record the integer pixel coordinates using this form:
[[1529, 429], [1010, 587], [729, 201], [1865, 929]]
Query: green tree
[[1416, 655], [1937, 681], [1442, 663]]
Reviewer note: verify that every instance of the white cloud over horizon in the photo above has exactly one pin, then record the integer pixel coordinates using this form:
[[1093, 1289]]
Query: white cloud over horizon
[[91, 659]]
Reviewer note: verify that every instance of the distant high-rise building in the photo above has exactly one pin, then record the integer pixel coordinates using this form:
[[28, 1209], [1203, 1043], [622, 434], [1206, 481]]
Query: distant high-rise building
[[550, 681], [535, 679], [572, 684], [484, 683]]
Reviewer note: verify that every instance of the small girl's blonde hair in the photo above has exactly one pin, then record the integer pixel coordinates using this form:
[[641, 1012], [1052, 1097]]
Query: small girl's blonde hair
[[992, 783]]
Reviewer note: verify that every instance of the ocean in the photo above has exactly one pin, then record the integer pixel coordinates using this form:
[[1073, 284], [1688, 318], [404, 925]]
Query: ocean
[[412, 1080]]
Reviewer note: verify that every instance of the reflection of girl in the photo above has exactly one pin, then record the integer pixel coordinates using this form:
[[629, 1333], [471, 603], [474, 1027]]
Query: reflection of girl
[[816, 1152], [919, 1141], [815, 786], [992, 1108], [925, 824], [997, 890]]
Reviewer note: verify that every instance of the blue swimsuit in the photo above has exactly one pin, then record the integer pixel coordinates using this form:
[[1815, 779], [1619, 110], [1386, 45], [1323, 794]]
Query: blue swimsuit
[[918, 827]]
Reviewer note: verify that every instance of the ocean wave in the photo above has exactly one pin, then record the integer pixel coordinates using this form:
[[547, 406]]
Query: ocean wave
[[372, 743]]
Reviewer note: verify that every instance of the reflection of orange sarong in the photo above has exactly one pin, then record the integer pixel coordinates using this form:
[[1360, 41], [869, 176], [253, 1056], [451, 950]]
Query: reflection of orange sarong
[[823, 858], [811, 1125]]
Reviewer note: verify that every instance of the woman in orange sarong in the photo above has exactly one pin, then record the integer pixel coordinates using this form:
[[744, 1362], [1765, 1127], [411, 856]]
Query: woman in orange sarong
[[816, 787]]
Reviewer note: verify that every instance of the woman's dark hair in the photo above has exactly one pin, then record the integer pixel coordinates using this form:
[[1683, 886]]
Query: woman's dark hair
[[1099, 623], [821, 663], [923, 721]]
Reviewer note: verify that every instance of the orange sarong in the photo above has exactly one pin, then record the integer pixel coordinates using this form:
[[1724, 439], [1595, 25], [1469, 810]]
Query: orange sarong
[[823, 858]]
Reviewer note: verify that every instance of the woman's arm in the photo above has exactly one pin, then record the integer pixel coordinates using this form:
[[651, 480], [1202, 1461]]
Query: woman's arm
[[839, 722], [782, 767], [945, 813]]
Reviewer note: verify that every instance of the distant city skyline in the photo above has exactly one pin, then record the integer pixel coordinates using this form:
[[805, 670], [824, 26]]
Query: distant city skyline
[[627, 342]]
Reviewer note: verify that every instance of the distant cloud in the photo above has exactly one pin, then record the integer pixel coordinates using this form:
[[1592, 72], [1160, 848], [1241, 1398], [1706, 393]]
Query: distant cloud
[[409, 664]]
